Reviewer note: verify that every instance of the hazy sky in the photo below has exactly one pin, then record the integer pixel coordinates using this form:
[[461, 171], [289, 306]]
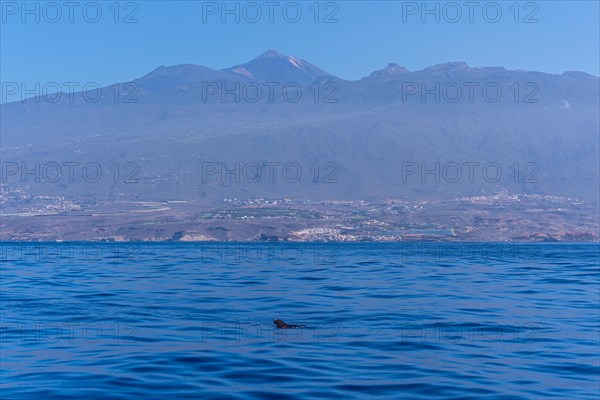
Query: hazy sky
[[41, 44]]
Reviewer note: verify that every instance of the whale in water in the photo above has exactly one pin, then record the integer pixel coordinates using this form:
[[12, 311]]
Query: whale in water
[[282, 325]]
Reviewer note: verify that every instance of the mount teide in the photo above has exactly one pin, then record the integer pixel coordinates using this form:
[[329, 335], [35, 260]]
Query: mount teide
[[276, 67], [369, 128]]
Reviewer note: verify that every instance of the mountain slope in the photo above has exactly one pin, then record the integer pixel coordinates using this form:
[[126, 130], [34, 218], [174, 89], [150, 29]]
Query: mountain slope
[[542, 132]]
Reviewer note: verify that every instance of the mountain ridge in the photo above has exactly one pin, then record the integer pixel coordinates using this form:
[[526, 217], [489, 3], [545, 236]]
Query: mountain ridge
[[273, 66], [263, 68]]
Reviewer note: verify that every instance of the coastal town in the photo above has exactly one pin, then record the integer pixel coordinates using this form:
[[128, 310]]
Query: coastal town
[[501, 217]]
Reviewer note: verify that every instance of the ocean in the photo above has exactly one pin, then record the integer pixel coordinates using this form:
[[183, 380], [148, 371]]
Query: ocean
[[385, 321]]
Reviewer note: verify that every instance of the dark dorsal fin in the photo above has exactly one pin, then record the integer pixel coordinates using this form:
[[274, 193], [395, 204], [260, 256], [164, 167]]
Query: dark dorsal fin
[[280, 324]]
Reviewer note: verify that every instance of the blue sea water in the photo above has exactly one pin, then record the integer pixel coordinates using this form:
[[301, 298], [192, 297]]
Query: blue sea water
[[385, 321]]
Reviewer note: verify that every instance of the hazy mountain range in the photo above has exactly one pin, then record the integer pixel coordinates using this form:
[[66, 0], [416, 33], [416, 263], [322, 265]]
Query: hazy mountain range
[[361, 136]]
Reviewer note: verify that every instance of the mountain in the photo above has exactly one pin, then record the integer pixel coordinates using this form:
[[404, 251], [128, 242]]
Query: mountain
[[390, 72], [382, 135], [276, 67]]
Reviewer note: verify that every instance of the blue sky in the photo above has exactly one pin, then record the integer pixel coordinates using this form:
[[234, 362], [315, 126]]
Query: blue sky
[[366, 36]]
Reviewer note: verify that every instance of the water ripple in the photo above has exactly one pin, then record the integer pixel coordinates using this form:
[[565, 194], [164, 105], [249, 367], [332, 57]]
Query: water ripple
[[383, 321]]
